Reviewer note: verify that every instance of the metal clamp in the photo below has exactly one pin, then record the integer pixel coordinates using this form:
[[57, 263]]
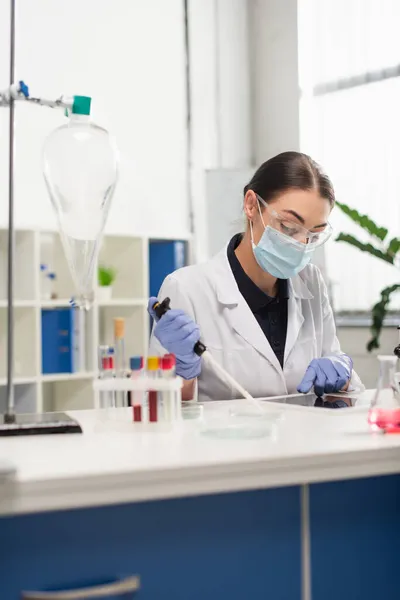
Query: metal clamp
[[123, 586], [20, 91]]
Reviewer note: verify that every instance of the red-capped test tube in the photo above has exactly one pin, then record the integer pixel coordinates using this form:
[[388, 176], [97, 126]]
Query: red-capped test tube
[[169, 398], [103, 354], [168, 364], [106, 364]]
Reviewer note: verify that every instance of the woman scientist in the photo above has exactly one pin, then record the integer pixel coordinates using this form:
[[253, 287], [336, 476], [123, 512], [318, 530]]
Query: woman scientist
[[259, 306]]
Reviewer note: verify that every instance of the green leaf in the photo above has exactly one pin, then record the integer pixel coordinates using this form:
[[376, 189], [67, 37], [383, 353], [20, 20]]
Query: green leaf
[[364, 221], [350, 239], [106, 275], [379, 311], [394, 247]]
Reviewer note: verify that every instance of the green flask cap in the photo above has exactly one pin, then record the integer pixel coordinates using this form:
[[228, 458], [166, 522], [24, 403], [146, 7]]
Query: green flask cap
[[81, 105]]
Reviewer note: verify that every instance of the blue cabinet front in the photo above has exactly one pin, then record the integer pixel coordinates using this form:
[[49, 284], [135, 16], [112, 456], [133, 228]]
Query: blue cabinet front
[[230, 546], [355, 539]]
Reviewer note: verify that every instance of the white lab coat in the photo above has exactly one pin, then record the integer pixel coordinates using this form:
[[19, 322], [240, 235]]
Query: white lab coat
[[209, 294]]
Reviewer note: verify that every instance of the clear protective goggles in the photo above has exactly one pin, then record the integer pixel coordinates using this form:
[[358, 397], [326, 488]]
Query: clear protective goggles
[[293, 229]]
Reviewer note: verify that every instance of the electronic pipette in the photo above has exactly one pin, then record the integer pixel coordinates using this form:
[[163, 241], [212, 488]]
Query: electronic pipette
[[160, 308]]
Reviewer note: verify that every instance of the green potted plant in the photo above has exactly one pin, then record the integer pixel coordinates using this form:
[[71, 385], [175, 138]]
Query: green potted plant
[[105, 278], [383, 249]]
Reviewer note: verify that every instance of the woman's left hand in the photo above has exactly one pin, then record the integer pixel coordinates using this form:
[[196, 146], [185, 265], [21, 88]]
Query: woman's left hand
[[327, 375]]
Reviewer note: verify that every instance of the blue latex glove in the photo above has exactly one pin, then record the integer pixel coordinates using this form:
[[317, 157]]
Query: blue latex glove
[[178, 334], [327, 375]]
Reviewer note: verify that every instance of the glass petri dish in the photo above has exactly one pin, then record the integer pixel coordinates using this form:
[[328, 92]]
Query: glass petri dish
[[192, 412], [238, 428], [252, 414]]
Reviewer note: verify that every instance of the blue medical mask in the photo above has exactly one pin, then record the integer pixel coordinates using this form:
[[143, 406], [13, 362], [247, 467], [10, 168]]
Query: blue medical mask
[[279, 254]]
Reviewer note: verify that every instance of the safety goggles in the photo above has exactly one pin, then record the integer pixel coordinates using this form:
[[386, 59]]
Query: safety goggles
[[293, 229]]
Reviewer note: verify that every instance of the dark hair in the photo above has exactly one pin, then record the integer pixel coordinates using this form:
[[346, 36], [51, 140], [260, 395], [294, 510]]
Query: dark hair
[[287, 171]]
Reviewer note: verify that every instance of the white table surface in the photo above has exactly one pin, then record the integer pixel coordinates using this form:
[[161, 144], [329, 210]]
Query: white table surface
[[106, 466]]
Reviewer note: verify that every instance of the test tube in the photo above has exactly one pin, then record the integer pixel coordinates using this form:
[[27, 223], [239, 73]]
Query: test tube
[[101, 373], [106, 371], [169, 398], [153, 363], [120, 362], [136, 365], [102, 353]]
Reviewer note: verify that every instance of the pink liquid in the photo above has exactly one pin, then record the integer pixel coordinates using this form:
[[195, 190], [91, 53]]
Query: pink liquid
[[387, 419]]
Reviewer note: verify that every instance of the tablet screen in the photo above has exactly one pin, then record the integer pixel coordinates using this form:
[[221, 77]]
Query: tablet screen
[[311, 400]]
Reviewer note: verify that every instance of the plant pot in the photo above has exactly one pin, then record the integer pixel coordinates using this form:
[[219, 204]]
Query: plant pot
[[104, 293]]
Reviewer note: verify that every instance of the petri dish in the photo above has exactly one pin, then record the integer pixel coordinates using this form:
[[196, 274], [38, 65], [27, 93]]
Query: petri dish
[[238, 428], [236, 432], [192, 412], [252, 414]]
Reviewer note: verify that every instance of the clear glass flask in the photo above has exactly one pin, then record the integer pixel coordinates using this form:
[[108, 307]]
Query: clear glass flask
[[384, 414], [80, 165]]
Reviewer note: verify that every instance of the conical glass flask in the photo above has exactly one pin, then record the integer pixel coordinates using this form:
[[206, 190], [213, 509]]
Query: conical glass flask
[[384, 413], [80, 165]]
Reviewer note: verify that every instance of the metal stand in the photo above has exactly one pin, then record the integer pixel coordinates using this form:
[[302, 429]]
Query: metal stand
[[10, 423], [9, 416]]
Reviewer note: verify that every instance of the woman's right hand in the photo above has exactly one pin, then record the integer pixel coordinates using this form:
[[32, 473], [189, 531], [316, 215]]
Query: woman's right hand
[[178, 334]]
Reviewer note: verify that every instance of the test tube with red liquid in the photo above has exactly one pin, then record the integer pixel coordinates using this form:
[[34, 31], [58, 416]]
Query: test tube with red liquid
[[137, 397], [106, 371], [169, 398], [153, 364]]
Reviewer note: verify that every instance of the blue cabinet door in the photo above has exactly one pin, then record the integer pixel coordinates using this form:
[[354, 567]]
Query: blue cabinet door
[[243, 546], [164, 258], [355, 532]]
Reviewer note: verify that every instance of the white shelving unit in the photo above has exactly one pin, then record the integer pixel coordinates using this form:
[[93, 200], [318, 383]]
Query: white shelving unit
[[35, 391]]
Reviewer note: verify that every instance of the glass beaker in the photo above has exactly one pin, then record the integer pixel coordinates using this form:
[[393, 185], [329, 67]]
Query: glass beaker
[[384, 413]]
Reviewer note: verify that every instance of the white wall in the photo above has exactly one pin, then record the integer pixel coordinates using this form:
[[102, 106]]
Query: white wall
[[133, 64], [274, 60], [220, 100], [354, 340], [128, 55], [275, 90]]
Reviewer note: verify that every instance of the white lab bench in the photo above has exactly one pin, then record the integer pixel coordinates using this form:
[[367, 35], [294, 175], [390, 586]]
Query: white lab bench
[[316, 507]]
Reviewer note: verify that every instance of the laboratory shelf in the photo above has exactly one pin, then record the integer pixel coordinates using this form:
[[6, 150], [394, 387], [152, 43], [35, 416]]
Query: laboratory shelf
[[128, 255], [19, 303], [19, 380], [54, 377], [56, 303], [164, 238], [64, 302], [124, 302], [25, 396]]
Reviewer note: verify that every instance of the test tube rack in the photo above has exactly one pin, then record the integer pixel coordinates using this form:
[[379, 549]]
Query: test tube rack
[[167, 395]]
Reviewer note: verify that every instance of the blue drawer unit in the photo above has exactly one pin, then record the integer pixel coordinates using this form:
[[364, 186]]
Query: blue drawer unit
[[235, 546], [355, 530], [60, 340], [165, 256]]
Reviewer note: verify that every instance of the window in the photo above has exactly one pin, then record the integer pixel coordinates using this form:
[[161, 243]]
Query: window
[[349, 64]]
